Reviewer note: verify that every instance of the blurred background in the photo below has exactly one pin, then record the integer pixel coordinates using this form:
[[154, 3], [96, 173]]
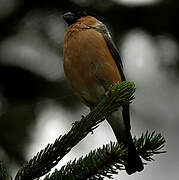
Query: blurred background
[[36, 103]]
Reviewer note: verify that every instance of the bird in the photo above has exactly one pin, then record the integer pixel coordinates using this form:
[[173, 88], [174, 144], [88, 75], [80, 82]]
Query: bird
[[92, 63]]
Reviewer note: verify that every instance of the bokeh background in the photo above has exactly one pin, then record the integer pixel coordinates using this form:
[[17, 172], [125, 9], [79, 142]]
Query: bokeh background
[[36, 103]]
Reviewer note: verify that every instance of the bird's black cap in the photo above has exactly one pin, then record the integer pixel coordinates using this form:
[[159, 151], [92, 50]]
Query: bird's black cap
[[72, 17]]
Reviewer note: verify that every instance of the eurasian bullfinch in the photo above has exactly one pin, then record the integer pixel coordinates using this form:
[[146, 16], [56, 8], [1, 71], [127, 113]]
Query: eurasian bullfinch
[[91, 64]]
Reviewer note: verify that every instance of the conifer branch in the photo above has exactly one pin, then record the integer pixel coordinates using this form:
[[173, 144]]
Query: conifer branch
[[39, 165], [106, 161], [149, 144], [3, 172]]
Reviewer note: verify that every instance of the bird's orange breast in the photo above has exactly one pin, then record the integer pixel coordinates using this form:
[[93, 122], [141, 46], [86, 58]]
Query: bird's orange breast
[[88, 64]]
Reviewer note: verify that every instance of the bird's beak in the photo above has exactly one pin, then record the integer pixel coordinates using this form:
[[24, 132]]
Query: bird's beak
[[69, 17]]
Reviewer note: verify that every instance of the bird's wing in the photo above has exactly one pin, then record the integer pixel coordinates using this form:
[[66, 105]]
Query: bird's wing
[[114, 51]]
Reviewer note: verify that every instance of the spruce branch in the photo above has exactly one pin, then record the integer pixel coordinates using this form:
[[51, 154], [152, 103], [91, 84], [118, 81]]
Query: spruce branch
[[40, 164], [149, 144], [3, 172], [106, 161]]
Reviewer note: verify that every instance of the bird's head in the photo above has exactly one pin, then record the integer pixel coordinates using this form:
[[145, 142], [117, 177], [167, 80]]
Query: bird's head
[[72, 17]]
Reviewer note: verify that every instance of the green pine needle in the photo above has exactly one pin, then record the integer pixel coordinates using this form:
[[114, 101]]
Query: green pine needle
[[106, 161], [149, 144], [99, 163], [3, 171]]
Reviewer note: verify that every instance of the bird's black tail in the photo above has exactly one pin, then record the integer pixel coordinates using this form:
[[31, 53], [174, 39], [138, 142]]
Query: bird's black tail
[[122, 133], [134, 162]]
